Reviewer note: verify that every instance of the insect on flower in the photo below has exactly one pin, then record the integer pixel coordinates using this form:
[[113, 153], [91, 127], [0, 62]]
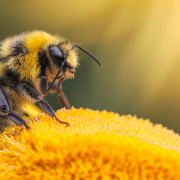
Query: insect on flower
[[32, 64]]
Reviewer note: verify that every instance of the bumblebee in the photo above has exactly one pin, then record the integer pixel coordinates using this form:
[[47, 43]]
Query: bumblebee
[[32, 64]]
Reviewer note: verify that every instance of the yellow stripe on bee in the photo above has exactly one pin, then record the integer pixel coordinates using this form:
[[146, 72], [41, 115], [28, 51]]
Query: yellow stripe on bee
[[27, 67], [5, 48], [3, 68], [36, 40], [31, 110]]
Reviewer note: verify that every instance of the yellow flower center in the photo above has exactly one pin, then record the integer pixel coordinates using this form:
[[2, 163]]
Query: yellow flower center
[[97, 145]]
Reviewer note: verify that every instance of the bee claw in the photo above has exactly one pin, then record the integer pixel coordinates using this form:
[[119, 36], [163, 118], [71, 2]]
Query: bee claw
[[27, 127], [67, 124]]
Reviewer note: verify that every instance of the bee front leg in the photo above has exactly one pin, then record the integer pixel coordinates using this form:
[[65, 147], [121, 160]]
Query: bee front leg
[[43, 85], [34, 94], [5, 110]]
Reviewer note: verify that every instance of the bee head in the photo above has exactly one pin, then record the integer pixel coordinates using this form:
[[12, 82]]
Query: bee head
[[65, 62]]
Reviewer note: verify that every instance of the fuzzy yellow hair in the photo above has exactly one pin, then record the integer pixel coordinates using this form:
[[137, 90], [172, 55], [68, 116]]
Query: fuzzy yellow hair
[[33, 42]]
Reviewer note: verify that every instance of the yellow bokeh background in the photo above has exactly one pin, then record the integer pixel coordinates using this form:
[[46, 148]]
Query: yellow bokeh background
[[138, 43]]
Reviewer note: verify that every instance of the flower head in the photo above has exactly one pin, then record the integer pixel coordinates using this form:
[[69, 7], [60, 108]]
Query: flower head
[[97, 145]]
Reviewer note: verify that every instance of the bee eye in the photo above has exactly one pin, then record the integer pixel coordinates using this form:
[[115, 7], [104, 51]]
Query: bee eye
[[56, 54]]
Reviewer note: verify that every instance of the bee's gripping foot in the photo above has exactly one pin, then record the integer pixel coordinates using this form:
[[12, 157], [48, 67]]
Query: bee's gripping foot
[[67, 124]]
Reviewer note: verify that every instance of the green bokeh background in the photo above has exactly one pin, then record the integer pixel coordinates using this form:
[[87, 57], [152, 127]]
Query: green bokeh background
[[138, 43]]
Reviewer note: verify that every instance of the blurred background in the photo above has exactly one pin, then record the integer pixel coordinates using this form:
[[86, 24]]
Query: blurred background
[[137, 41]]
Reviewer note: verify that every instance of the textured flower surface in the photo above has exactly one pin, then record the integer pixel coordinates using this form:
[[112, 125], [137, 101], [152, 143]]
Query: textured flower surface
[[97, 145]]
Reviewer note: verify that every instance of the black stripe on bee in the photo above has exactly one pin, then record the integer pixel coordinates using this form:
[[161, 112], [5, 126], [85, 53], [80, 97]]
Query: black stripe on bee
[[44, 62], [19, 48], [15, 78], [13, 75]]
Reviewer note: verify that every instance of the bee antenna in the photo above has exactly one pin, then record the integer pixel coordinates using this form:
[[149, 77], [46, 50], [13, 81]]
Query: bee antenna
[[76, 45]]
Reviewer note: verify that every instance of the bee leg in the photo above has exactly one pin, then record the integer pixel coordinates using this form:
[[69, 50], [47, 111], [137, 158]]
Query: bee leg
[[60, 95], [43, 85], [5, 110], [50, 111], [31, 91], [17, 119]]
